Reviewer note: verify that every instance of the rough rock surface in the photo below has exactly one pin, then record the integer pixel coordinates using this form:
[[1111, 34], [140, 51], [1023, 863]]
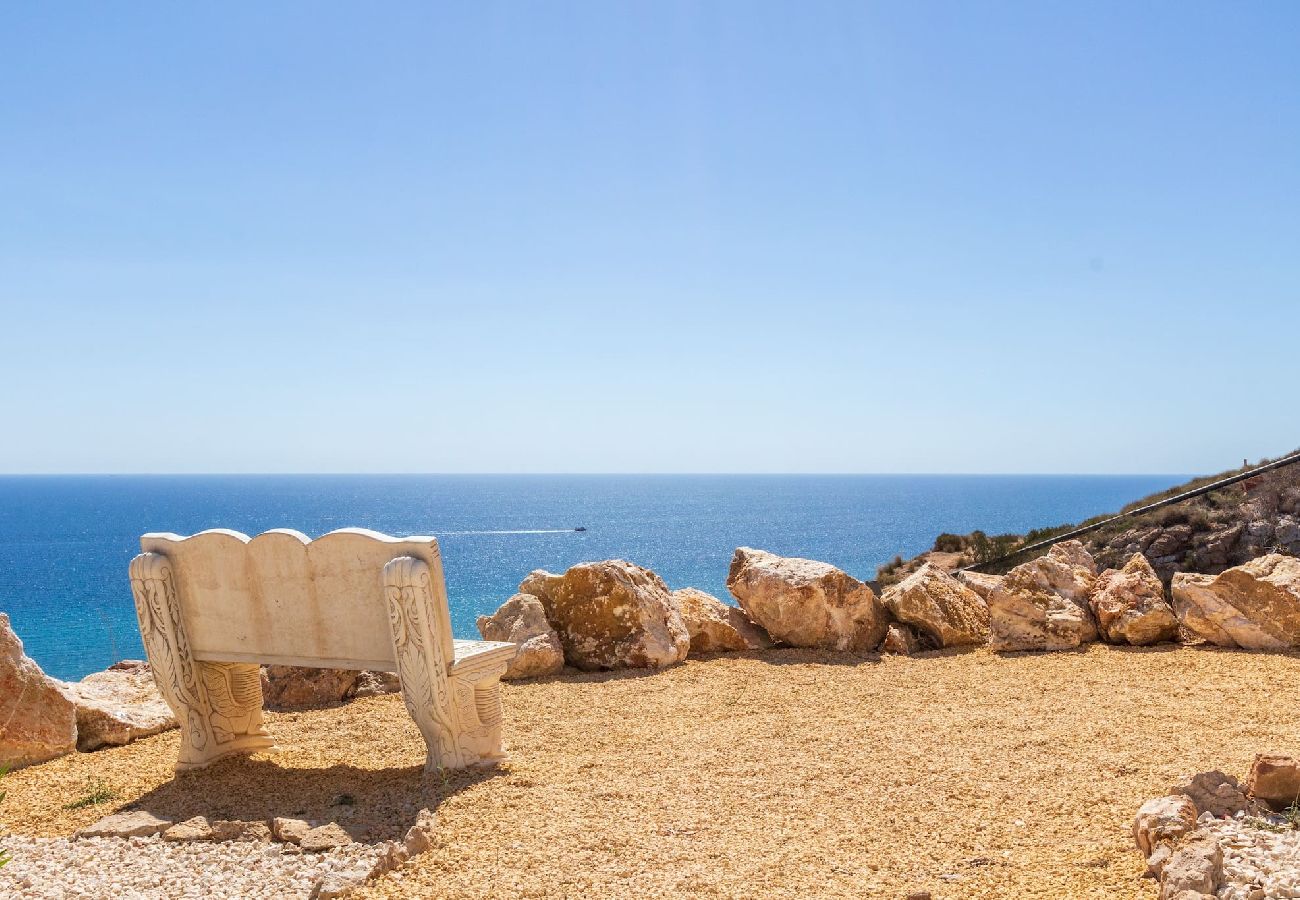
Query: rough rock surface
[[149, 868], [939, 605], [1275, 780], [979, 582], [290, 831], [1161, 823], [1213, 792], [420, 836], [373, 684], [324, 837], [118, 706], [716, 627], [37, 722], [541, 584], [195, 829], [302, 687], [901, 639], [1260, 859], [1194, 871], [522, 620], [1043, 604], [807, 603], [613, 615], [133, 823], [1255, 606], [1130, 605]]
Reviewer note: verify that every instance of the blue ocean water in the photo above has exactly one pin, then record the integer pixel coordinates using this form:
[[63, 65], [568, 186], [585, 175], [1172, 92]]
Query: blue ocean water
[[65, 541]]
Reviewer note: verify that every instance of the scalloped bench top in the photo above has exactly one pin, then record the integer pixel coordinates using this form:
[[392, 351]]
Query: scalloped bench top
[[281, 598]]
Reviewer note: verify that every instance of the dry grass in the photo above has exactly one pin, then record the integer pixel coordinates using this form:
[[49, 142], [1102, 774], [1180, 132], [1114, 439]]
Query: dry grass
[[786, 774]]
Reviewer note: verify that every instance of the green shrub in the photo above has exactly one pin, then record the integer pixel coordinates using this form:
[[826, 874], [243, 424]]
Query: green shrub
[[949, 543]]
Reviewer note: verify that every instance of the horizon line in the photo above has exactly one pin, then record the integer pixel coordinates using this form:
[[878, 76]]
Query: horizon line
[[579, 474]]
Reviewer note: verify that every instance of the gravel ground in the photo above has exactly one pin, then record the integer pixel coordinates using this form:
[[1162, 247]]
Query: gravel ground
[[781, 774], [152, 869]]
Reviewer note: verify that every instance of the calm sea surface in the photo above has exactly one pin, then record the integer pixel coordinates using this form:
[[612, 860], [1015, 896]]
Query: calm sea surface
[[65, 541]]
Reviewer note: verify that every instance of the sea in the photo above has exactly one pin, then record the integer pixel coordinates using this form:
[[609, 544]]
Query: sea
[[66, 541]]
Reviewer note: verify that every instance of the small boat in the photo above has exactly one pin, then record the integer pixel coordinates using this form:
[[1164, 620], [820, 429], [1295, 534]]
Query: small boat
[[580, 528]]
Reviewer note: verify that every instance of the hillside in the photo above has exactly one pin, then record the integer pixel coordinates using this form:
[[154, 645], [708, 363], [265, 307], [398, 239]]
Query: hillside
[[1206, 534]]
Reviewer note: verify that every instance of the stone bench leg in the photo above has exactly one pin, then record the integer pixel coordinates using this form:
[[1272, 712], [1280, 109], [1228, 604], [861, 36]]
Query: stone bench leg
[[459, 717], [218, 705]]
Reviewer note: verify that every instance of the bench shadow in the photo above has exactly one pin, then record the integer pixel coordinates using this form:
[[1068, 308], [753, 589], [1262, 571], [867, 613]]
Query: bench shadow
[[370, 804]]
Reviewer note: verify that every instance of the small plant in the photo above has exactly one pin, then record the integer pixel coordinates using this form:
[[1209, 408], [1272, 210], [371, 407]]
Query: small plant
[[1292, 814], [949, 543], [97, 792]]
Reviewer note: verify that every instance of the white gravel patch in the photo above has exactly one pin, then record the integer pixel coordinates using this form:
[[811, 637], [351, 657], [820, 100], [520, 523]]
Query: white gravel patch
[[149, 868], [1258, 863]]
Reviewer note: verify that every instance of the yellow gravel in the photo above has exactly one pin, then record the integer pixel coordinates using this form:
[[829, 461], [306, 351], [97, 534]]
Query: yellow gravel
[[782, 774]]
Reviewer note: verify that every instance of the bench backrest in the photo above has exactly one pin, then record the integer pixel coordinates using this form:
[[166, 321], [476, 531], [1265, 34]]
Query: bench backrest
[[282, 599]]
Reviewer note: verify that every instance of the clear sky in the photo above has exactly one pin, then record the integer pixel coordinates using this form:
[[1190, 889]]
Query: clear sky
[[648, 237]]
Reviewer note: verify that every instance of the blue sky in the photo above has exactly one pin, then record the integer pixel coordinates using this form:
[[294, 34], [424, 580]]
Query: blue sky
[[643, 237]]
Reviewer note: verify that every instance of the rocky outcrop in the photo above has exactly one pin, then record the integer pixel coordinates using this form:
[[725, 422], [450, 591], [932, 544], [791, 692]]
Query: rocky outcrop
[[1043, 604], [1194, 871], [806, 603], [522, 620], [118, 706], [541, 584], [1255, 606], [303, 687], [1130, 605], [614, 615], [37, 721], [1275, 781], [1159, 825], [940, 606], [714, 626], [979, 582], [1213, 792]]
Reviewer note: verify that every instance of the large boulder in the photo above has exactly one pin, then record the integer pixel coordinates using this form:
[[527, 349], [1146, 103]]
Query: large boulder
[[979, 582], [1255, 606], [939, 605], [37, 722], [807, 603], [522, 620], [1213, 792], [714, 626], [303, 687], [118, 706], [1043, 604], [1130, 605], [1194, 871], [613, 615]]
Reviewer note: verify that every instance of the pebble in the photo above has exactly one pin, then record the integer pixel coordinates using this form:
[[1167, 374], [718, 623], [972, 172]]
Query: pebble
[[148, 868]]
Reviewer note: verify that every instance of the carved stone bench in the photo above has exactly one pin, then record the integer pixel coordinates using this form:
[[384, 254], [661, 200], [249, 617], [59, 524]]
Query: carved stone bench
[[215, 606]]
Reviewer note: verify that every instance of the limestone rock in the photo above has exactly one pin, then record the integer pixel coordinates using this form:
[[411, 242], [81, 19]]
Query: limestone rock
[[1213, 792], [37, 722], [374, 684], [195, 829], [420, 836], [1275, 780], [613, 615], [522, 620], [1130, 606], [541, 584], [979, 582], [239, 830], [1194, 870], [1043, 604], [714, 626], [289, 831], [302, 687], [325, 837], [118, 706], [135, 823], [806, 603], [901, 639], [934, 602], [1255, 606], [1162, 821]]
